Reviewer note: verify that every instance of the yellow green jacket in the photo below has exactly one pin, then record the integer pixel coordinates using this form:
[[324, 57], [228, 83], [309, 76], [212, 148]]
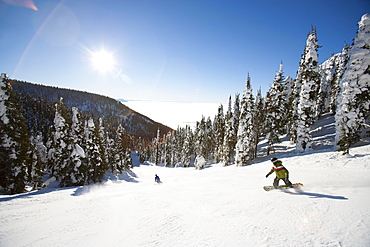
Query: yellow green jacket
[[279, 169]]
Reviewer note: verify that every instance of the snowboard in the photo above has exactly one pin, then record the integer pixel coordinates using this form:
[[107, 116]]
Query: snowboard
[[281, 187]]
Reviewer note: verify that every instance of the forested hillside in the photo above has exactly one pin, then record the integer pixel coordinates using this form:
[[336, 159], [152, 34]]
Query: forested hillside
[[32, 96]]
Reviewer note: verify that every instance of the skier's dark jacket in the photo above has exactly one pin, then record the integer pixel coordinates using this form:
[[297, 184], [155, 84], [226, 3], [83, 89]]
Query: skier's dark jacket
[[279, 169]]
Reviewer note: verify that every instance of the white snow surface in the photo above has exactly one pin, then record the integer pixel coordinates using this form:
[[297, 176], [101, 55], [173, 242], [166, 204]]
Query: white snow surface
[[216, 206]]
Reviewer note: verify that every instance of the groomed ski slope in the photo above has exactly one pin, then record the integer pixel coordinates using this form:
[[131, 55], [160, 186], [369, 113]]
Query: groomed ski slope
[[217, 206]]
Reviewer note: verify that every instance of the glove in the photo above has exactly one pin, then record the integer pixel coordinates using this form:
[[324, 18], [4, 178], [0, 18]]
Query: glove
[[267, 175]]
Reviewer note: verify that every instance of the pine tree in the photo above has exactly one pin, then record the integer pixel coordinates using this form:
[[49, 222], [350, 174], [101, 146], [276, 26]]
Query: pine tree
[[228, 142], [121, 152], [219, 132], [180, 144], [200, 138], [41, 149], [340, 67], [168, 149], [275, 121], [289, 98], [236, 117], [259, 116], [62, 146], [308, 66], [34, 168], [245, 144], [327, 72], [5, 165], [156, 149], [331, 71], [353, 111], [102, 167], [188, 147], [117, 164], [179, 138], [209, 143], [94, 152], [78, 162], [15, 146], [309, 78]]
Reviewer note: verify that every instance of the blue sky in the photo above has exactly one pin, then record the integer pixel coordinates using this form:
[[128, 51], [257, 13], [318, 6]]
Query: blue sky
[[174, 50]]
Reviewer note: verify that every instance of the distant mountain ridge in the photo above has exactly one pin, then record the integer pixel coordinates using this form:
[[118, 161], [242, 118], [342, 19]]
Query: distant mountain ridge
[[110, 110]]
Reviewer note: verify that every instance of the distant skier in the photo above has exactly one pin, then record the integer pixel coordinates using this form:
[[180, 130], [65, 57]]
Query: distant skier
[[281, 173], [157, 179]]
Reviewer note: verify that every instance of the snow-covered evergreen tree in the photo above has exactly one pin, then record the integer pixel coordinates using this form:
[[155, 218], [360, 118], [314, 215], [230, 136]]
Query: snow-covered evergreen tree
[[308, 66], [245, 142], [288, 96], [275, 119], [178, 138], [15, 145], [340, 65], [156, 149], [188, 148], [219, 132], [100, 141], [117, 150], [309, 79], [94, 152], [331, 71], [61, 150], [259, 116], [236, 117], [228, 142], [41, 149], [122, 159], [353, 111], [328, 76], [200, 137], [34, 168], [78, 162], [166, 148], [209, 144]]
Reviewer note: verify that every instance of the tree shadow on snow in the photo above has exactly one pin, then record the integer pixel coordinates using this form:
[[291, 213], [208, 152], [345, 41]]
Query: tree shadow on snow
[[31, 194], [315, 195], [128, 176]]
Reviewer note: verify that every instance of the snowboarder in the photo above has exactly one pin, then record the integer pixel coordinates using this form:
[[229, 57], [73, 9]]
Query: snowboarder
[[157, 179], [281, 173]]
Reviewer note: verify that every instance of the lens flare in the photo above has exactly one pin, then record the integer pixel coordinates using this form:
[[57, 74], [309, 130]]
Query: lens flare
[[22, 3]]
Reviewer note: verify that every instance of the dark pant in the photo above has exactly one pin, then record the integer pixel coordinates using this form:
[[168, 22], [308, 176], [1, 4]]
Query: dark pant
[[286, 181]]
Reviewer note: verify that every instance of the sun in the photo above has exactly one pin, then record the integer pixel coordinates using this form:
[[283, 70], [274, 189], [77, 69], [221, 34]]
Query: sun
[[102, 61]]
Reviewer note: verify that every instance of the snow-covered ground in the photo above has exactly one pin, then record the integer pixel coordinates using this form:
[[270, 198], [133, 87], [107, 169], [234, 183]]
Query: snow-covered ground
[[216, 206]]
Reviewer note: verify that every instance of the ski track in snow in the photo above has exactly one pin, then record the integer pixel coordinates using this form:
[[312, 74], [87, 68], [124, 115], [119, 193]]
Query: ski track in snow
[[216, 206]]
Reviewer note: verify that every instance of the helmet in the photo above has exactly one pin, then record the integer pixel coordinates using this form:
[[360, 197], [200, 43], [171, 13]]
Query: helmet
[[273, 160]]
